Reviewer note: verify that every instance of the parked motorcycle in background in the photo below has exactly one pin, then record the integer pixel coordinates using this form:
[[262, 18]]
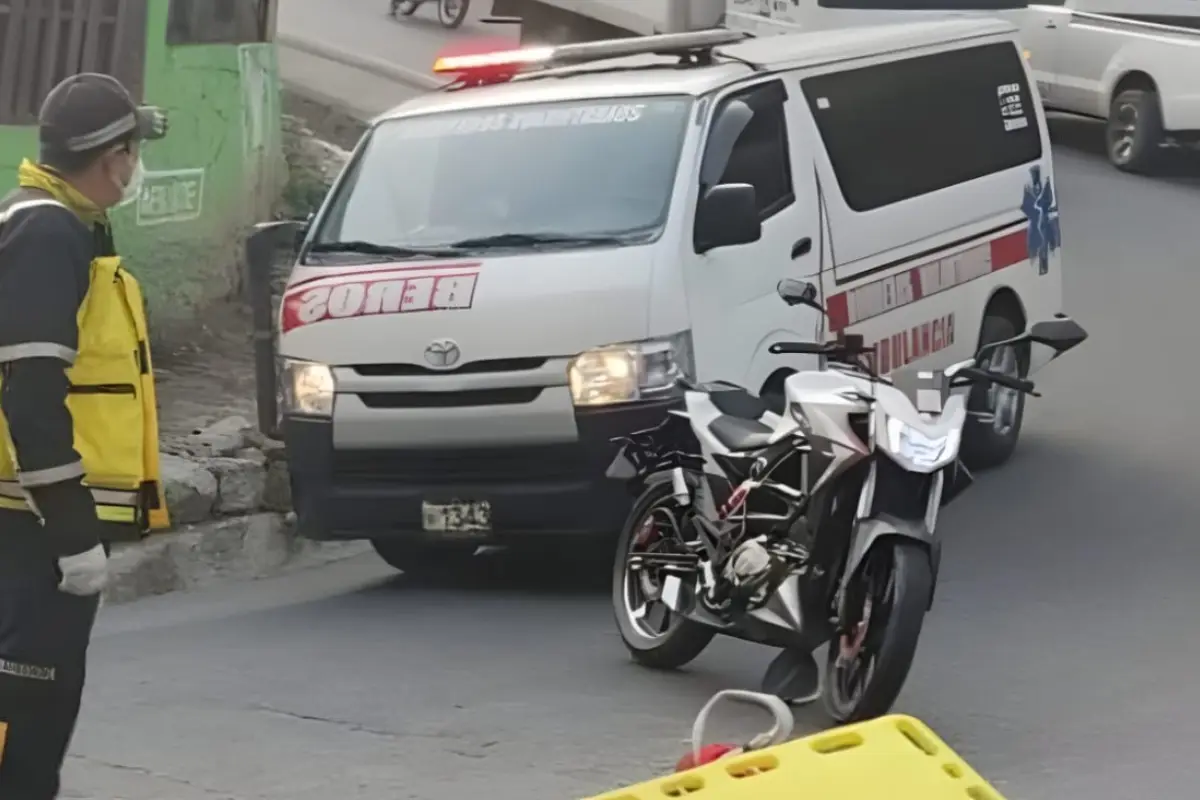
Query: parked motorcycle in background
[[451, 13], [811, 527]]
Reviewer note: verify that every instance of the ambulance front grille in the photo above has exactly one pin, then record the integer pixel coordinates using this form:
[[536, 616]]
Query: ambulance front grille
[[470, 368], [552, 463], [514, 396]]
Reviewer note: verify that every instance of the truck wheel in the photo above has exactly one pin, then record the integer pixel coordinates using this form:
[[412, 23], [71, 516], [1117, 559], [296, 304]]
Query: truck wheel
[[990, 442], [1135, 131], [422, 558]]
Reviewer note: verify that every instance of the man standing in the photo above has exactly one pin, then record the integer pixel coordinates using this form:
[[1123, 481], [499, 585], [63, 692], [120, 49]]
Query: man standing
[[78, 426]]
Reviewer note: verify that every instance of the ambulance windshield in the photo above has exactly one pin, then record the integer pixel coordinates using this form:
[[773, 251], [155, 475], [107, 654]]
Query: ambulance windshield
[[602, 170]]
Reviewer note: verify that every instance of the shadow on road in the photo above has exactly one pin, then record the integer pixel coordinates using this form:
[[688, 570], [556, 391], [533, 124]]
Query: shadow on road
[[530, 570]]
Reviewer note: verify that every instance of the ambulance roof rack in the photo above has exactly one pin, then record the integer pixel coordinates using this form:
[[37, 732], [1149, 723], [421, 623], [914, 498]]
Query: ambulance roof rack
[[694, 48]]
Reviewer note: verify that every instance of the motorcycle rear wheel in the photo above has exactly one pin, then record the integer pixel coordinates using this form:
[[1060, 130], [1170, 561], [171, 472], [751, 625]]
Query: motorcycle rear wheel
[[897, 578], [677, 640], [452, 13]]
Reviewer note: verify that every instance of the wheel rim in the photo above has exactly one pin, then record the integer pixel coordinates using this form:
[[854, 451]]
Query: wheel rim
[[1003, 402], [647, 614], [450, 10], [857, 652], [1123, 133]]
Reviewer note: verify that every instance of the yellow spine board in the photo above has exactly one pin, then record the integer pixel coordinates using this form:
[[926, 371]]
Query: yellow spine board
[[890, 758]]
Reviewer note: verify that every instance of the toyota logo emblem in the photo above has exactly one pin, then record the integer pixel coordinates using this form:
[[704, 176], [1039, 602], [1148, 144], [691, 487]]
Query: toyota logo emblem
[[442, 353]]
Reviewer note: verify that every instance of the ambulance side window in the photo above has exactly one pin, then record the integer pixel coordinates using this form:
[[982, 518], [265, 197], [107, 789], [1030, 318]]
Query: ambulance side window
[[760, 154]]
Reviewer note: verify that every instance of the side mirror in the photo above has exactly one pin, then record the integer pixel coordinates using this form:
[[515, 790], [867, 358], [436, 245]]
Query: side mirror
[[796, 292], [1058, 334], [261, 247], [727, 215]]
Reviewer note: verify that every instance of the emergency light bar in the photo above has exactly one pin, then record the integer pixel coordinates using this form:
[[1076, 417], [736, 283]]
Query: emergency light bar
[[503, 65]]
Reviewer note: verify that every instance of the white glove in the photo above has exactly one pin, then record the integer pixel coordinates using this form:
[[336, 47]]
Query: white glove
[[84, 574]]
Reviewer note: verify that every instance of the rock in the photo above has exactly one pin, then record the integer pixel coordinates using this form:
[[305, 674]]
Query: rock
[[277, 494], [191, 490], [142, 570], [237, 547], [274, 450], [241, 483], [223, 438], [252, 454]]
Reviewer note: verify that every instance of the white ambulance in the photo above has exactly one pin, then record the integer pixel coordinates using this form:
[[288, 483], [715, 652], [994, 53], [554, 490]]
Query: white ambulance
[[513, 271]]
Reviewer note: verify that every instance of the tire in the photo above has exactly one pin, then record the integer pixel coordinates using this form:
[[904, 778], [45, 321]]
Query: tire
[[452, 18], [423, 558], [913, 576], [405, 8], [984, 445], [684, 639], [1134, 133]]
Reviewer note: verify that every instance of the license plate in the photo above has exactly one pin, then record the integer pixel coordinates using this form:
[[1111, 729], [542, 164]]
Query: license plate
[[457, 518]]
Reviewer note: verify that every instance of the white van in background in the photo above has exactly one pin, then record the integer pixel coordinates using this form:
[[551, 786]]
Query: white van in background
[[511, 272]]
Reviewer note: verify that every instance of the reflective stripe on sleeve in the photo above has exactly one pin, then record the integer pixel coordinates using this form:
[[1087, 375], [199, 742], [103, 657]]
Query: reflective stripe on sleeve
[[18, 352], [50, 476], [109, 497]]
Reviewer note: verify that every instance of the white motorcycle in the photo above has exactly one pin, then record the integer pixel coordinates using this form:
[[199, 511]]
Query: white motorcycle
[[814, 526]]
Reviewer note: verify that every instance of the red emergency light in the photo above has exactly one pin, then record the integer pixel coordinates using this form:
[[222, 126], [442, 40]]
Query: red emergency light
[[496, 66]]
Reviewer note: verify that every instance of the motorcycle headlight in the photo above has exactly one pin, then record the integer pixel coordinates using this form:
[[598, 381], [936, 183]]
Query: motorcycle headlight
[[625, 373], [918, 450], [308, 388]]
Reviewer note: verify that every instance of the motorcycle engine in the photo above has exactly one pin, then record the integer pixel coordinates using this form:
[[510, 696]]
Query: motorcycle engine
[[748, 572]]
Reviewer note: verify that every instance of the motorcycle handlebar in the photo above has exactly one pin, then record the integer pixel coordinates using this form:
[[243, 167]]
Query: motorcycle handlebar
[[798, 348], [819, 349], [1020, 384]]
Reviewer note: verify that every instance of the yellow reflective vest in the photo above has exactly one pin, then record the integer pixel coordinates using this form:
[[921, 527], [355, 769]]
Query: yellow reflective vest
[[113, 407]]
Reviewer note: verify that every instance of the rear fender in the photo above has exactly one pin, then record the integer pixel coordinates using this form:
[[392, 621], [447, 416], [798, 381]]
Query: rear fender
[[868, 532]]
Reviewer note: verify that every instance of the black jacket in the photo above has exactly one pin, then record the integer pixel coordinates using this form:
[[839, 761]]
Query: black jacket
[[45, 259]]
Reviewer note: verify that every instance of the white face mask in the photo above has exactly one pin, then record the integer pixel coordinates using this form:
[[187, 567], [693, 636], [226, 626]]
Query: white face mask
[[131, 190]]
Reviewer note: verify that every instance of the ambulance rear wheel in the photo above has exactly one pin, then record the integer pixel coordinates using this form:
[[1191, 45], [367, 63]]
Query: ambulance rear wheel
[[423, 558], [990, 439]]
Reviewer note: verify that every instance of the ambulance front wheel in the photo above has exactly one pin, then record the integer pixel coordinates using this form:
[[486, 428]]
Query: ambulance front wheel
[[418, 558], [991, 433]]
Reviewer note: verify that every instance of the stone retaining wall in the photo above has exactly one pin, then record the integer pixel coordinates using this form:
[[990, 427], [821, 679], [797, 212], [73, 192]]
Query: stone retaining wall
[[229, 495]]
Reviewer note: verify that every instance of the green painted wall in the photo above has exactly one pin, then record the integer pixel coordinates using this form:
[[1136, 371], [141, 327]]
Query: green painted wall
[[218, 171]]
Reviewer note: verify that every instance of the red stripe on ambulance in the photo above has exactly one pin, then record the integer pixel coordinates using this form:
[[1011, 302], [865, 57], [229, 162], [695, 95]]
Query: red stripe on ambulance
[[925, 279], [375, 295]]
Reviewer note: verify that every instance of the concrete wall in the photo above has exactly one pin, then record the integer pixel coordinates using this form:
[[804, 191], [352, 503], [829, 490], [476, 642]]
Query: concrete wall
[[218, 171]]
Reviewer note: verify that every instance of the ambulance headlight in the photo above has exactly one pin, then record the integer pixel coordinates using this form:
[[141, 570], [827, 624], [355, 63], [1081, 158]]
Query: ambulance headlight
[[626, 373], [308, 388]]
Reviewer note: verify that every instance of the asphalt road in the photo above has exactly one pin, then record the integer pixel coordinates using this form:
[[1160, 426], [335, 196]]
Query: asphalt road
[[1059, 659]]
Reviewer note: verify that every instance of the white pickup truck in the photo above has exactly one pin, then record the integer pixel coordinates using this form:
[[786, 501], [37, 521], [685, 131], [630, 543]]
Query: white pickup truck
[[1134, 63]]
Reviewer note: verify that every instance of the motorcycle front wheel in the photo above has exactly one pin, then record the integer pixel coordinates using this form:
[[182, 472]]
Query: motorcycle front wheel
[[655, 636], [452, 13], [866, 667]]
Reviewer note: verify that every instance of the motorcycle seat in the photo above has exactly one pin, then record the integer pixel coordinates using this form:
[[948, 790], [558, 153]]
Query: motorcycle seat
[[740, 434], [735, 401]]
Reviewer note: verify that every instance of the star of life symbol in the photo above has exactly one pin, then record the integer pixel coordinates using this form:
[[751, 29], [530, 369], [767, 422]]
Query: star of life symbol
[[1041, 209]]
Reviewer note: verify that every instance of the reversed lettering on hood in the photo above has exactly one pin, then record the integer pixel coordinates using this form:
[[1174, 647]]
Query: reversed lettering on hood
[[373, 296]]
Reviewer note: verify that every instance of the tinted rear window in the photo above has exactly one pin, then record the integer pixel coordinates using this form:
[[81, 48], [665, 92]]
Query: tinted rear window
[[907, 128]]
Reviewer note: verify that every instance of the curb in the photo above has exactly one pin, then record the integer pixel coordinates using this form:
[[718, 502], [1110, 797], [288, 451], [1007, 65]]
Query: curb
[[256, 546], [378, 67]]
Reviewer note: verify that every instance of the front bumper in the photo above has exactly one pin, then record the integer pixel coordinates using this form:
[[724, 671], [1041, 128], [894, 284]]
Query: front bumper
[[536, 489]]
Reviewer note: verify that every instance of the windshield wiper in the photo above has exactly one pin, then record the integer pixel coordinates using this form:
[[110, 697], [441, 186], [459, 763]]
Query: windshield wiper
[[535, 239], [375, 249]]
